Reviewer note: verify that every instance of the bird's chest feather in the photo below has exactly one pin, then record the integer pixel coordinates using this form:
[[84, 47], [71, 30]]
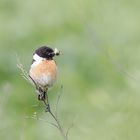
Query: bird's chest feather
[[44, 72]]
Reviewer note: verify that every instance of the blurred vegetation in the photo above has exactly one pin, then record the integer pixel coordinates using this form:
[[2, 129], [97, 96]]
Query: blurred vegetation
[[99, 69]]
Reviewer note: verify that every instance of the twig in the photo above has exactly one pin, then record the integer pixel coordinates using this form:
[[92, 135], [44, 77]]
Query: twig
[[24, 73], [48, 109], [58, 99], [40, 119], [68, 130], [33, 82]]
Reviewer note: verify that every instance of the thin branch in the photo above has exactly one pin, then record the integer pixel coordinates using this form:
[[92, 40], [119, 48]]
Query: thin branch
[[36, 86], [58, 99], [43, 120], [68, 130], [24, 73], [60, 128]]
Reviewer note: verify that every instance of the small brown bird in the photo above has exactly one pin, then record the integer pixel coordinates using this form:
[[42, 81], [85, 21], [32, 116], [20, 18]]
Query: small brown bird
[[43, 69]]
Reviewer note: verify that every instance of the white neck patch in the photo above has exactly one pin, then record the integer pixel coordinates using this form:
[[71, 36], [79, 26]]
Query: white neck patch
[[36, 57]]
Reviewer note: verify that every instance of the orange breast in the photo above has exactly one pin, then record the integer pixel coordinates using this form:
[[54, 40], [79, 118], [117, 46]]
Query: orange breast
[[44, 68]]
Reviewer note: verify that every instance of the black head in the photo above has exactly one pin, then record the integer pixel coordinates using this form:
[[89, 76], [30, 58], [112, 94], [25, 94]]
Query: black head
[[45, 52]]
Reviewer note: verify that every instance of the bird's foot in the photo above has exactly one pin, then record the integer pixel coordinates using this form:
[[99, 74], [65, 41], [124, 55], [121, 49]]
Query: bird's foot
[[47, 108]]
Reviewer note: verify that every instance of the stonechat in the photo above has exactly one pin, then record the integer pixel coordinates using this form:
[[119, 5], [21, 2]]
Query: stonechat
[[43, 71]]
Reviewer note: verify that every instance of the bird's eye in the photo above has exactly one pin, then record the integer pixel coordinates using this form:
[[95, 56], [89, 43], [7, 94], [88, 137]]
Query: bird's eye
[[51, 54]]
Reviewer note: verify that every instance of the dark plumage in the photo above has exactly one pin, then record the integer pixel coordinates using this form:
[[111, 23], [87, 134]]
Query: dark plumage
[[45, 52]]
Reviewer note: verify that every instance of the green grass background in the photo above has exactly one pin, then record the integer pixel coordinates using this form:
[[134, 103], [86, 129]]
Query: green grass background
[[99, 71]]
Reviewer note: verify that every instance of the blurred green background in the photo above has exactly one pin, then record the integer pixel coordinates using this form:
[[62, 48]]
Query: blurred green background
[[99, 70]]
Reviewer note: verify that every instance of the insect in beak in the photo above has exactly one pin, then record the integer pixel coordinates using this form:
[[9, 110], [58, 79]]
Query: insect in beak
[[57, 52]]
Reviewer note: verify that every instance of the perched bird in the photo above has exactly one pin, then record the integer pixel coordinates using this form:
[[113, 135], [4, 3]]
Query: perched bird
[[43, 71]]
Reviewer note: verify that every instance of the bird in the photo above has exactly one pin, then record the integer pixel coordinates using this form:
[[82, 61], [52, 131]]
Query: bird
[[43, 70]]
